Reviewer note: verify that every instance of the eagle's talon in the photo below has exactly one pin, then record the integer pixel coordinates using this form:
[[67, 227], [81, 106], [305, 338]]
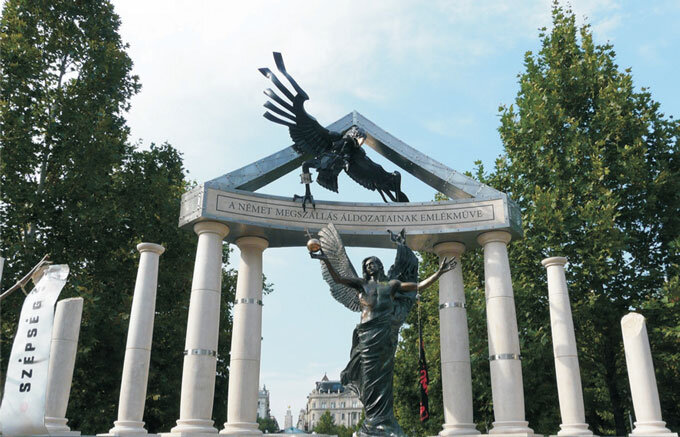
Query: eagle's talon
[[306, 198]]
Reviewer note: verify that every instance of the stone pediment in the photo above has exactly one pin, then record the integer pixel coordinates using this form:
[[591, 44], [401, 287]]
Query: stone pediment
[[474, 207]]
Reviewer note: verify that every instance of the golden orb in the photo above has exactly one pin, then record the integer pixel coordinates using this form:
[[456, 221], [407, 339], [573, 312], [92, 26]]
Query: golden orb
[[314, 245]]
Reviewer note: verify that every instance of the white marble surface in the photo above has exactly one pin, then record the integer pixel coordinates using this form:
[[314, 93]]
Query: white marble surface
[[569, 390], [200, 361], [455, 348], [506, 370], [246, 341], [138, 346], [63, 350], [643, 389]]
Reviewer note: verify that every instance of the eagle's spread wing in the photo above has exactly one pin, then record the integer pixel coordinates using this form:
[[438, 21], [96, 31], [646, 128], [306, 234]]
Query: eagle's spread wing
[[364, 171], [309, 136], [332, 247], [370, 175]]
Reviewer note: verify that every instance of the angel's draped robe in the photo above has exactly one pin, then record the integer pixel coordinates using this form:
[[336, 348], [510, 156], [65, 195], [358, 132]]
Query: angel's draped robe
[[371, 367]]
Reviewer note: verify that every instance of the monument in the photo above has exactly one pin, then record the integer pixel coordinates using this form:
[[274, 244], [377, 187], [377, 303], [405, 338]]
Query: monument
[[384, 302], [476, 216]]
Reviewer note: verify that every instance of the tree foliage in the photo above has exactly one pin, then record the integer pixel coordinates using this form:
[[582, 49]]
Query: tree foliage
[[74, 187], [326, 425], [594, 166], [267, 424]]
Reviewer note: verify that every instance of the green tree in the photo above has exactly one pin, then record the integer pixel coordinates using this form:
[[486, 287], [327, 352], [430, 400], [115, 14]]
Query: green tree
[[73, 187], [594, 166], [267, 424], [344, 431], [326, 424]]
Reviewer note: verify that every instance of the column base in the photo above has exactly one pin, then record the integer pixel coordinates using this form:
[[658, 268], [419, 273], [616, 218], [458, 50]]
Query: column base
[[187, 434], [573, 430], [56, 426], [458, 429], [511, 434], [191, 428], [512, 429], [241, 429], [518, 428], [652, 429], [127, 428], [64, 434]]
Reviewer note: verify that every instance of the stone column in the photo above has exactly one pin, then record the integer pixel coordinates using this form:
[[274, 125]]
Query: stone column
[[138, 347], [63, 350], [567, 372], [504, 357], [643, 388], [200, 350], [455, 347], [246, 341]]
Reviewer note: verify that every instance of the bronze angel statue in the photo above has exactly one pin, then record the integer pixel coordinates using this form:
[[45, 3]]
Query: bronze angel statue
[[384, 302], [332, 152]]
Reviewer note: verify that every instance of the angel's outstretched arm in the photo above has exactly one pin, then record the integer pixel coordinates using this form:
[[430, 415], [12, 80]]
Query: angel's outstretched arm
[[445, 266], [355, 283]]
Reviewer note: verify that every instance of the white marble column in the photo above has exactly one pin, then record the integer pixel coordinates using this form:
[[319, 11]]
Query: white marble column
[[504, 356], [569, 390], [246, 341], [200, 350], [138, 347], [63, 350], [455, 347], [643, 387]]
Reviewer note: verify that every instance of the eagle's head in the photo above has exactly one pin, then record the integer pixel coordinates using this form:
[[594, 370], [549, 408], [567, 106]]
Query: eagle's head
[[357, 134]]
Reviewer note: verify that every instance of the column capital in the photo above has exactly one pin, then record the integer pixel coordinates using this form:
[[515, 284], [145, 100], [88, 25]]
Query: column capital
[[494, 236], [442, 249], [255, 242], [554, 261], [212, 227], [151, 247]]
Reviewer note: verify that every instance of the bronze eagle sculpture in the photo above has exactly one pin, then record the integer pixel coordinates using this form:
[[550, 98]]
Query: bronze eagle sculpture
[[332, 152]]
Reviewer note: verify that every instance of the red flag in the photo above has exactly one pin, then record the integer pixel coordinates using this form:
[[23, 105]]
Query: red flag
[[423, 379]]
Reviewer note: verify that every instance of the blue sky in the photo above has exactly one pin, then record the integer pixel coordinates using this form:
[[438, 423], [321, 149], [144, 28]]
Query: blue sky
[[431, 73]]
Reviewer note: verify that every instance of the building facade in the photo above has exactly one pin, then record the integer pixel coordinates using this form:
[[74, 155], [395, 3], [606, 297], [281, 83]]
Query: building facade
[[343, 404], [263, 403], [288, 420]]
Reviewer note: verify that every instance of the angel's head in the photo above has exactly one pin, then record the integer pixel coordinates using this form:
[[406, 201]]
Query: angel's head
[[373, 267], [357, 134]]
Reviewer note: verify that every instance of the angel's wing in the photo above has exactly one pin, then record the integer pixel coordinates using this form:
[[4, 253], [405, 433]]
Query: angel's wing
[[309, 136], [405, 267], [332, 247]]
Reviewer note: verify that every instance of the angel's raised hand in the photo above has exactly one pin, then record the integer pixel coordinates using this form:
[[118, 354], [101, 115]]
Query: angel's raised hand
[[447, 264], [399, 238], [319, 255]]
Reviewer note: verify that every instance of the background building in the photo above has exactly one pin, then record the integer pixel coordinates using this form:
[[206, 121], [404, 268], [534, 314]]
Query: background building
[[288, 421], [263, 403], [302, 419], [344, 405]]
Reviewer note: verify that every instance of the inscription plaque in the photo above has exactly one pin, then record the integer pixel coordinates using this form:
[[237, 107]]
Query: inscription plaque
[[284, 223]]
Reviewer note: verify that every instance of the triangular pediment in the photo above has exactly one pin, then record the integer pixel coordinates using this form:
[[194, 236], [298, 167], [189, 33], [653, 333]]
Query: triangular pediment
[[435, 174], [473, 208]]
